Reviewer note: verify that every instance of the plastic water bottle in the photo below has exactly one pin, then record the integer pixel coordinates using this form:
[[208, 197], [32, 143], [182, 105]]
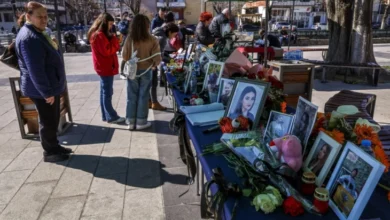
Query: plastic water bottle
[[366, 146], [197, 68], [194, 82]]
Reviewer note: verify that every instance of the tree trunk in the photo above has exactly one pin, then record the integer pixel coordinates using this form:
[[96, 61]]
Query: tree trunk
[[385, 16], [350, 34]]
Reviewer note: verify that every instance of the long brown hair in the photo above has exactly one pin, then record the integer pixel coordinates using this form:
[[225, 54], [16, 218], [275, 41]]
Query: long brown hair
[[101, 24], [139, 28], [22, 20]]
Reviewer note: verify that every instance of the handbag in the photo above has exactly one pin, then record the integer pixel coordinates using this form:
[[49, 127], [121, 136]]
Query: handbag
[[9, 57], [130, 69]]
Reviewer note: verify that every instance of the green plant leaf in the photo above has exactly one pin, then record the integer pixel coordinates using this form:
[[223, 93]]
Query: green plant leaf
[[246, 192], [347, 109]]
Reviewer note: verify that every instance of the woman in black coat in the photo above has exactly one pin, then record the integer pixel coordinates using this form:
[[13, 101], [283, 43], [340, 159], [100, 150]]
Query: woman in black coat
[[203, 34]]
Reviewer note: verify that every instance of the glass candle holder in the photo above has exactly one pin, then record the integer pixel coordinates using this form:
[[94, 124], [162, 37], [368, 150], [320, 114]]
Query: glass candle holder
[[308, 183], [321, 200]]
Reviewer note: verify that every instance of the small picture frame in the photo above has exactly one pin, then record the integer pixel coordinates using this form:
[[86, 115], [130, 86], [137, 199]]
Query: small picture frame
[[322, 157], [190, 49], [247, 99], [305, 118], [352, 182], [212, 79], [225, 90], [279, 125], [188, 79]]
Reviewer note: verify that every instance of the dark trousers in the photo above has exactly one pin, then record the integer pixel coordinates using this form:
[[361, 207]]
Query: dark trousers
[[49, 119], [153, 88]]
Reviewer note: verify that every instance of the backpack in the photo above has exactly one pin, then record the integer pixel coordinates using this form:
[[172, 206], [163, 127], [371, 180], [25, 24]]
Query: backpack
[[130, 70], [9, 57], [123, 27]]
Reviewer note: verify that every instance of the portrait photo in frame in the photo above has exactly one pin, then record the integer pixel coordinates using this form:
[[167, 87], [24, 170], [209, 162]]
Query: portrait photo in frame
[[187, 81], [212, 78], [247, 99], [225, 90], [352, 182], [322, 157], [279, 125], [305, 117]]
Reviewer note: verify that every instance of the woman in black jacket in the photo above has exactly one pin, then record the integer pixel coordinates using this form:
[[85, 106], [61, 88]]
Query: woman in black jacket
[[203, 34]]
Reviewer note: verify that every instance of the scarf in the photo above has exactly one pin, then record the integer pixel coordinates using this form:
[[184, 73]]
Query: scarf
[[46, 35]]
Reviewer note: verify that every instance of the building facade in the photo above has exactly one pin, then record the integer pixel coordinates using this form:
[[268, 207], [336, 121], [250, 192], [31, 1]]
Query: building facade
[[7, 14]]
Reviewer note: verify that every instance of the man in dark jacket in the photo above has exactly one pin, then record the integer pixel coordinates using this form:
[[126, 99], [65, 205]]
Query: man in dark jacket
[[158, 20], [216, 25], [273, 40], [184, 31]]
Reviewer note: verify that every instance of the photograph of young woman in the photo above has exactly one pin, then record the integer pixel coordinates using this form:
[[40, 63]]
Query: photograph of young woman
[[244, 104], [319, 159]]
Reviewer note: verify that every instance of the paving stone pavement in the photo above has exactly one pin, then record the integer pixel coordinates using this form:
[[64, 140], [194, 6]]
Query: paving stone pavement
[[114, 173]]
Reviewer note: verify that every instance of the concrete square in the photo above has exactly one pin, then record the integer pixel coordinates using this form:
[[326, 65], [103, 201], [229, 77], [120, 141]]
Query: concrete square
[[143, 173], [138, 204], [69, 208], [47, 172], [10, 182], [183, 212], [119, 139], [28, 202], [175, 185], [27, 160], [113, 162], [170, 156]]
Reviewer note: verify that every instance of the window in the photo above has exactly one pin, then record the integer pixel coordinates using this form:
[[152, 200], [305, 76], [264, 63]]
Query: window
[[8, 17]]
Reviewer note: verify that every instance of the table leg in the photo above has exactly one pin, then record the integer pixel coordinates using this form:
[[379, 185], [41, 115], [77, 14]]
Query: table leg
[[197, 176]]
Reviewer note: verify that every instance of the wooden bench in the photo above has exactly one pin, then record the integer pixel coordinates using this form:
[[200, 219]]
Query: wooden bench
[[28, 116], [366, 105]]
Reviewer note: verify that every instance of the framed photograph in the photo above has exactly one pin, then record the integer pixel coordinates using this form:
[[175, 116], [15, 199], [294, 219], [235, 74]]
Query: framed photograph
[[188, 79], [190, 49], [322, 156], [305, 117], [247, 99], [225, 90], [212, 78], [353, 181], [279, 124]]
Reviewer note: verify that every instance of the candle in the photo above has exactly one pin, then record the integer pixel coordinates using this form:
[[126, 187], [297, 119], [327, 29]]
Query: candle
[[308, 183], [321, 200]]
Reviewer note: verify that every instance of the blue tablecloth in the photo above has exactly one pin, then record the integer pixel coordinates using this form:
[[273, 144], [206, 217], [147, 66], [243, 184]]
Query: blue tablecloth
[[377, 207]]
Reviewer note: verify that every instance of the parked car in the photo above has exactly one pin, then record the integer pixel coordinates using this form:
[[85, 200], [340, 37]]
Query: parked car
[[250, 28], [280, 25], [320, 26]]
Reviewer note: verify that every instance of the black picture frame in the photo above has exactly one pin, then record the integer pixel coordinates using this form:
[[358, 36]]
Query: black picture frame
[[259, 100]]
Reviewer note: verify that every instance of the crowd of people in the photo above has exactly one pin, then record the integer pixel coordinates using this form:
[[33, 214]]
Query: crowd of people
[[42, 67]]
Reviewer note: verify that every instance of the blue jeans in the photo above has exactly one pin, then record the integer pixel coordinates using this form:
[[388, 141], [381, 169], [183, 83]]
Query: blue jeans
[[137, 108], [106, 92]]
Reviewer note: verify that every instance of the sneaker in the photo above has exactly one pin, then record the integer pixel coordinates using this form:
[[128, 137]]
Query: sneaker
[[53, 158], [122, 76], [119, 120], [142, 127], [64, 150]]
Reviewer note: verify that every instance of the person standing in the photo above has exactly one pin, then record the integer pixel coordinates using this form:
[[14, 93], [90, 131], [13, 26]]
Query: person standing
[[123, 28], [149, 55], [42, 75], [104, 47], [203, 34], [184, 31], [217, 23], [158, 20]]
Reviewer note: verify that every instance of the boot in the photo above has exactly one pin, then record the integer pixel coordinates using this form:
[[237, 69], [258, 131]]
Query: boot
[[157, 106]]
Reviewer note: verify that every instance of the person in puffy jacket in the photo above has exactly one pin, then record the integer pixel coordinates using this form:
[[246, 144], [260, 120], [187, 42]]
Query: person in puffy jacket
[[105, 45], [42, 75], [158, 20], [216, 25], [203, 34]]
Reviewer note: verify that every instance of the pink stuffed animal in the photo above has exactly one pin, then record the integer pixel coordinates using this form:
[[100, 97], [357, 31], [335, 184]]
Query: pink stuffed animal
[[289, 151]]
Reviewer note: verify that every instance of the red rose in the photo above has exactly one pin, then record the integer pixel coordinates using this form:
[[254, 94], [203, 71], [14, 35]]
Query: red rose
[[244, 122], [225, 124], [275, 82], [292, 207], [251, 76]]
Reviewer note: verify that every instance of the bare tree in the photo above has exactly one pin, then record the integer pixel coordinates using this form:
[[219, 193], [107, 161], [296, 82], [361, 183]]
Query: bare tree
[[350, 33], [84, 10], [385, 14], [134, 5]]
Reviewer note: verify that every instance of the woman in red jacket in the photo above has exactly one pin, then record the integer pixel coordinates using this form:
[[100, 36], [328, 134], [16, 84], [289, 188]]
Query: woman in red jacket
[[104, 46]]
